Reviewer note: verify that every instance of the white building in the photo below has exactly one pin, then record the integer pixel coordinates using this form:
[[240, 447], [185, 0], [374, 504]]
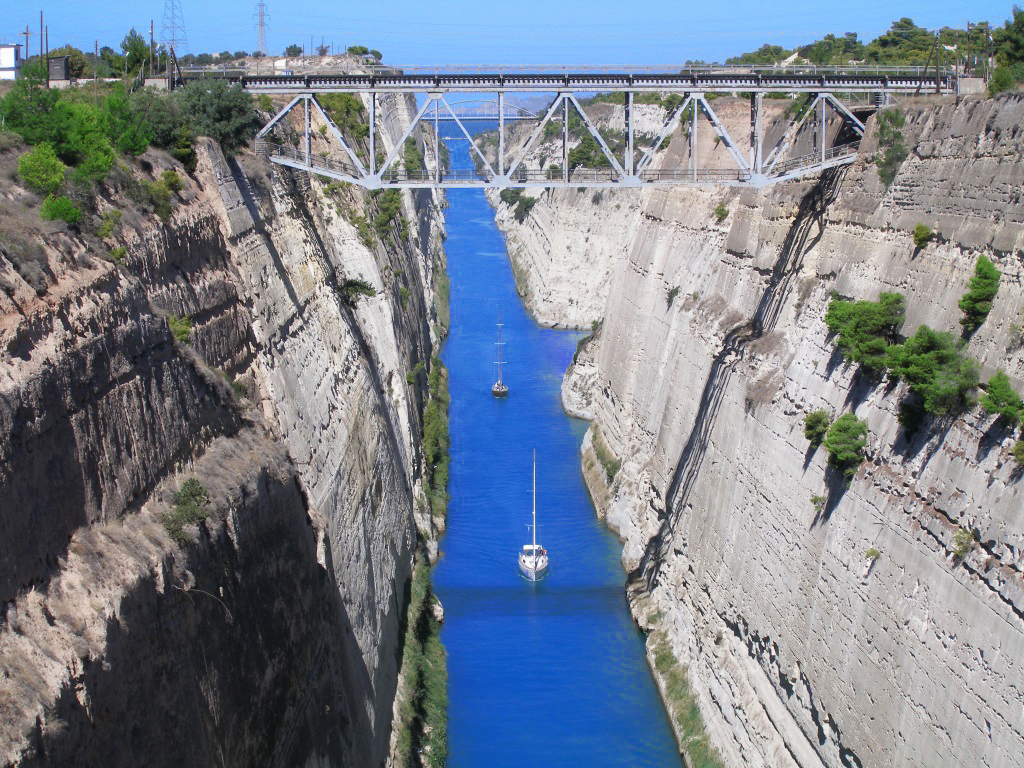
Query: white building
[[10, 61]]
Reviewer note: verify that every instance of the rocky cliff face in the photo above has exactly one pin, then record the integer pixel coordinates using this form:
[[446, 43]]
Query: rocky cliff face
[[800, 648], [272, 636]]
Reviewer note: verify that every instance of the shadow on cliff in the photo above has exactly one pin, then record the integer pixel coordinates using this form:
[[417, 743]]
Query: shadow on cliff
[[803, 235], [255, 663]]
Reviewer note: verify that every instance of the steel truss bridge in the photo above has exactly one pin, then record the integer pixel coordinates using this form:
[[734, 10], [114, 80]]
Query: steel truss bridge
[[756, 165]]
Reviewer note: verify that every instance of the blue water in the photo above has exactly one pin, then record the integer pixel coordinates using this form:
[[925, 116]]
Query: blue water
[[548, 674]]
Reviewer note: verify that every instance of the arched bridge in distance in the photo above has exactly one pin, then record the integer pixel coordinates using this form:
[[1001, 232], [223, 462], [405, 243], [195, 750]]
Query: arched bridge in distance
[[826, 91]]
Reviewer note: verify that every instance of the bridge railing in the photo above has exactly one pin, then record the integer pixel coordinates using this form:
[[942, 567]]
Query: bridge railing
[[315, 161], [816, 158]]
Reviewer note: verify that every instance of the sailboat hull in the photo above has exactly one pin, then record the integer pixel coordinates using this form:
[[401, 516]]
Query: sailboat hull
[[499, 390], [531, 572]]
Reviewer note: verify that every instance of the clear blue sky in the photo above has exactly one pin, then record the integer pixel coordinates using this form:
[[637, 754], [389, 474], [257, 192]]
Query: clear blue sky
[[645, 32]]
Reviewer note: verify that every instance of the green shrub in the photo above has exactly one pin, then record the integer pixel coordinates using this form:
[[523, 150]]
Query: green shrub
[[181, 327], [866, 328], [389, 207], [510, 196], [672, 293], [412, 158], [41, 169], [172, 181], [937, 369], [523, 207], [352, 289], [977, 302], [239, 389], [872, 554], [816, 424], [189, 508], [922, 235], [963, 540], [604, 455], [265, 103], [108, 223], [1000, 399], [118, 254], [404, 294], [893, 150], [159, 197], [721, 212], [347, 112], [818, 501], [1002, 80], [845, 442], [1018, 452], [60, 208]]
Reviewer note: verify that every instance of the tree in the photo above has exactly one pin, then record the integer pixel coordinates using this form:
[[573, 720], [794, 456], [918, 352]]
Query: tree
[[866, 328], [1011, 39], [937, 369], [922, 235], [977, 302], [293, 50], [1002, 80], [135, 50], [62, 208], [1001, 400], [845, 443], [221, 111], [376, 54], [41, 170], [358, 50], [323, 50]]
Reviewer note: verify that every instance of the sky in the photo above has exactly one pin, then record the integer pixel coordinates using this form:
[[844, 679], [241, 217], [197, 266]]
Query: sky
[[508, 32]]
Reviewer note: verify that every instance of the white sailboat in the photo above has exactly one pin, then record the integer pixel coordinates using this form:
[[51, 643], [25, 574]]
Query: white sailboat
[[533, 560], [499, 389]]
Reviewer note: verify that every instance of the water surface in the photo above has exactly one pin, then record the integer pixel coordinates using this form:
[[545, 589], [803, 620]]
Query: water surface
[[548, 674]]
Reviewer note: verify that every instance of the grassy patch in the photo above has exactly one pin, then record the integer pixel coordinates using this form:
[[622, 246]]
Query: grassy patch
[[422, 726], [436, 438], [605, 456], [683, 706], [181, 327]]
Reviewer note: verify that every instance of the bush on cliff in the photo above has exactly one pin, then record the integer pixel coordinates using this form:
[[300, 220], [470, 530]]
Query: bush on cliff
[[977, 302], [1000, 400], [1018, 452], [189, 509], [223, 112], [892, 149], [41, 170], [865, 329], [845, 442], [937, 369], [60, 208], [922, 235], [816, 424]]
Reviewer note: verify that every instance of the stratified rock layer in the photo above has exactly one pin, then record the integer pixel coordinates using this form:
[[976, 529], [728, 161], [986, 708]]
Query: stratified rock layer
[[271, 637]]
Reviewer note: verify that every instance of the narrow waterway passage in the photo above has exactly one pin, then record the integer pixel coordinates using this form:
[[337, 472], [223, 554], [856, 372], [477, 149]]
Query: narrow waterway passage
[[549, 674]]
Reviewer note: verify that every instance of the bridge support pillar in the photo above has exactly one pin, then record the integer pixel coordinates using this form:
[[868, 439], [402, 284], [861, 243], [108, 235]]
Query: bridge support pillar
[[629, 134], [501, 133], [373, 133], [309, 153], [756, 132]]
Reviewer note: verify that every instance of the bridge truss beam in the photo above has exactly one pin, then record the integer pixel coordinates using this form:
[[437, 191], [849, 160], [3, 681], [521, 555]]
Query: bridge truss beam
[[752, 169]]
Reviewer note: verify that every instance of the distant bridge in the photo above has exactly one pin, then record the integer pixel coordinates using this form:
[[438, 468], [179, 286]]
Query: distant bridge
[[757, 166]]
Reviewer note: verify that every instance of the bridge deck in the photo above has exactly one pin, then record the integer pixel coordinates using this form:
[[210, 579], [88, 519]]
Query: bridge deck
[[711, 82]]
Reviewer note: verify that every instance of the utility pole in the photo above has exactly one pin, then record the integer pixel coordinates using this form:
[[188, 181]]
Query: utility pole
[[967, 61], [27, 33], [152, 46]]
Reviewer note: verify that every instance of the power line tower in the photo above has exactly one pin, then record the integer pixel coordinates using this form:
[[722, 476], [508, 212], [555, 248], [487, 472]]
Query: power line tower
[[261, 26], [173, 35]]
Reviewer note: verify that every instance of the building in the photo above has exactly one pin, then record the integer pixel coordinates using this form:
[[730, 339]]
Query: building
[[10, 61]]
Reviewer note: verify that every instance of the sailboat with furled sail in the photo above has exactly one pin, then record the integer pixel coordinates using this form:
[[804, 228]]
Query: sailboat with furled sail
[[533, 560], [499, 389]]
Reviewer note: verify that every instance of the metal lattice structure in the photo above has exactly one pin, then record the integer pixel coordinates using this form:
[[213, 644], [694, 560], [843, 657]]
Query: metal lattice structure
[[261, 28], [172, 33], [755, 165]]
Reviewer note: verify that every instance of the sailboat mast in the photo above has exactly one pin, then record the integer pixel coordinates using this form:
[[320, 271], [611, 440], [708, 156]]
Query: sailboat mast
[[499, 347], [535, 506]]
